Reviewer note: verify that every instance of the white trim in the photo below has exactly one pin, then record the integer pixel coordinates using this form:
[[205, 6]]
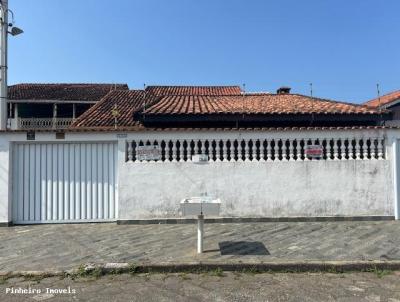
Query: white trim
[[51, 101], [396, 183]]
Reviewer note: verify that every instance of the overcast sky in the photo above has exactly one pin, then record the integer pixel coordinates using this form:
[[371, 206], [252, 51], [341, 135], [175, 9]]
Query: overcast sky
[[343, 47]]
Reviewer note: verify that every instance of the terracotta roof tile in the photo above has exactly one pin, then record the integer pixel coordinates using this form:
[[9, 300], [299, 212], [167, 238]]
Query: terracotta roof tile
[[131, 103], [100, 115], [63, 92], [194, 90], [253, 104], [384, 100]]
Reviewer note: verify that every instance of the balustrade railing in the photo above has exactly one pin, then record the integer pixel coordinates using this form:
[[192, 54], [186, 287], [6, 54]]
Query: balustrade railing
[[261, 150], [44, 123]]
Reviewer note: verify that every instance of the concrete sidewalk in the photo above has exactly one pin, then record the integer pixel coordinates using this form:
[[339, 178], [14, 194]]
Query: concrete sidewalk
[[63, 247]]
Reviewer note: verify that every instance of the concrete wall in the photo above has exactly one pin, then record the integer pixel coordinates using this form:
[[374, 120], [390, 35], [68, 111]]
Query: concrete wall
[[254, 189], [269, 189]]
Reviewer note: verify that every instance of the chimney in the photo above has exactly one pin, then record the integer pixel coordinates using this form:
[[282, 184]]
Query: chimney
[[283, 90]]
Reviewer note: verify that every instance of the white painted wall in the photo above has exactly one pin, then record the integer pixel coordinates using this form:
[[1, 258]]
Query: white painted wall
[[317, 188], [254, 189], [4, 179]]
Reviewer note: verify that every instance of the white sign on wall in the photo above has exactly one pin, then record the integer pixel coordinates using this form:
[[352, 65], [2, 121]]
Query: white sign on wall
[[148, 152], [314, 151]]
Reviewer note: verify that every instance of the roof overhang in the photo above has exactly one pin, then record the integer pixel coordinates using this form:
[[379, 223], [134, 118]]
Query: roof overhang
[[50, 102], [288, 117]]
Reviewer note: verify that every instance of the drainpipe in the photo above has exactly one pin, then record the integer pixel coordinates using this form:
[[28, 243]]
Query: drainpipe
[[3, 64]]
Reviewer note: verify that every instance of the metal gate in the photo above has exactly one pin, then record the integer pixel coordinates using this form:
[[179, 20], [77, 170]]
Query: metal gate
[[64, 182]]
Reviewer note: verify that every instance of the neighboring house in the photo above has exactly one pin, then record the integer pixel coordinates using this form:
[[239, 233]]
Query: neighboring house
[[390, 101], [131, 157], [41, 106], [223, 107]]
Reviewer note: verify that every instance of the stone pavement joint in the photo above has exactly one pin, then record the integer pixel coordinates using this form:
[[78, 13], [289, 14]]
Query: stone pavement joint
[[58, 248], [200, 267]]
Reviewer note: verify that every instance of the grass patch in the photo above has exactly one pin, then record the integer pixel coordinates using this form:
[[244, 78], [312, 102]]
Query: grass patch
[[254, 270], [4, 279], [34, 278], [84, 272], [218, 272], [133, 269], [380, 273], [184, 276]]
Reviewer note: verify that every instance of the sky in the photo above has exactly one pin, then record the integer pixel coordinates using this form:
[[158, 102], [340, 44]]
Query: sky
[[344, 48]]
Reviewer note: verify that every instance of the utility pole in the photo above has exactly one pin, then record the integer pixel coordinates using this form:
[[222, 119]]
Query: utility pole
[[4, 26], [3, 64]]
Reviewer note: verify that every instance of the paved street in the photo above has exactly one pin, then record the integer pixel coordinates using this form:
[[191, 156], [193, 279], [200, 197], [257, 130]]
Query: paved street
[[59, 247], [215, 286]]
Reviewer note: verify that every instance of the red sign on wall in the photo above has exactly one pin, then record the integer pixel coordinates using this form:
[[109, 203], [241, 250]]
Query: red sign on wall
[[314, 151]]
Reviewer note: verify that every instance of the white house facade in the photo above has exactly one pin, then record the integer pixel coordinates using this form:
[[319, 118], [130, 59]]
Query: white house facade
[[92, 173]]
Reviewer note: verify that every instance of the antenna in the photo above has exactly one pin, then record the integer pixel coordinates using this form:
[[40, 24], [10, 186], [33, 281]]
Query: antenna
[[379, 95], [378, 92], [115, 114], [244, 99], [312, 104], [144, 100]]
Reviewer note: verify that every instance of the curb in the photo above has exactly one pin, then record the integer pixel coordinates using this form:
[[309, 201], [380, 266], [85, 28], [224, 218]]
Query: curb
[[254, 219], [199, 267]]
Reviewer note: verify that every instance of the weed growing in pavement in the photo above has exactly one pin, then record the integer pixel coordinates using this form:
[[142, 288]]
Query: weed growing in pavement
[[379, 272], [117, 271], [83, 272], [253, 270], [184, 276], [4, 279], [133, 269], [34, 278], [217, 272], [334, 270]]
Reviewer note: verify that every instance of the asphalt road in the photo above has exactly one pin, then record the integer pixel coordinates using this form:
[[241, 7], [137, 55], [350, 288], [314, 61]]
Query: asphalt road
[[214, 286]]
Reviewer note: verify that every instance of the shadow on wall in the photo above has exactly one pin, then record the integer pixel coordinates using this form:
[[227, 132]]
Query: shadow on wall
[[243, 248]]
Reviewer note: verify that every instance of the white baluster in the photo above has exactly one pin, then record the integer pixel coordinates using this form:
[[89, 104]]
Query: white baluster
[[358, 148], [328, 149], [254, 150], [239, 150], [365, 149], [380, 148], [181, 151], [291, 150], [217, 150], [196, 147], [341, 153], [174, 150], [130, 151], [246, 150], [167, 150], [225, 150], [349, 149], [304, 149], [372, 148], [335, 149], [269, 150], [262, 150]]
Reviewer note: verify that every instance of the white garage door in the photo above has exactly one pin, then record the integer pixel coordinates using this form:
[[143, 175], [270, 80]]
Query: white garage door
[[64, 182]]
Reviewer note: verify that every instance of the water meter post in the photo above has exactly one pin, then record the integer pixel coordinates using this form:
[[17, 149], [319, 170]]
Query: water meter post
[[200, 232], [199, 207]]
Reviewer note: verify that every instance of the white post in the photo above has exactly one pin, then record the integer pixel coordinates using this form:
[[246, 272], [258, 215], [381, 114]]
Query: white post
[[200, 232], [396, 185], [54, 115], [3, 64]]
